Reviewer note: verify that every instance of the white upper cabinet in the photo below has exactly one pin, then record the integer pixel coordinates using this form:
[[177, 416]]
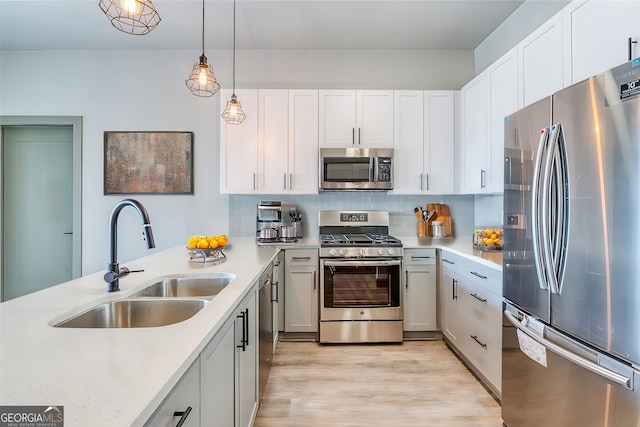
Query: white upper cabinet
[[275, 150], [439, 142], [541, 61], [303, 142], [474, 112], [361, 119], [503, 100], [424, 142], [486, 100], [239, 146], [273, 137], [597, 34]]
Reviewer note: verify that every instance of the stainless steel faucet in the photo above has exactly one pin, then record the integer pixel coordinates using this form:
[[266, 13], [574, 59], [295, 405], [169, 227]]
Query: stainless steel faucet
[[114, 272]]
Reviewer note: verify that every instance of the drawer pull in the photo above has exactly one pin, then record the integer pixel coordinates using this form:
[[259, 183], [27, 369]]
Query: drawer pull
[[478, 275], [448, 261], [479, 298], [421, 257], [183, 416], [300, 258], [475, 338]]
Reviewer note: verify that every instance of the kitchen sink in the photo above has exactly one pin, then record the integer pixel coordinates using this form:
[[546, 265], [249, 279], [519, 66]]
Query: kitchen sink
[[206, 286], [136, 313]]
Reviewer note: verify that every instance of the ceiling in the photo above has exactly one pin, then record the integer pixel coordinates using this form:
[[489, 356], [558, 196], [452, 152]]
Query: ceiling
[[261, 24]]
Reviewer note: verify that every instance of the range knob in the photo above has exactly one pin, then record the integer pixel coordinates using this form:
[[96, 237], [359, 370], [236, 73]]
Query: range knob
[[341, 252], [361, 252], [391, 251], [332, 252], [380, 251]]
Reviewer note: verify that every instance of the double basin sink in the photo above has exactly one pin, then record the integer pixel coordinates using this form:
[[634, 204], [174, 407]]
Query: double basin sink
[[168, 300]]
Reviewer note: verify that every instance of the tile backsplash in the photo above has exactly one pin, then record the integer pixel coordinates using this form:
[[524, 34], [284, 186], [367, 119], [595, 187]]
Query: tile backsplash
[[488, 209], [242, 210]]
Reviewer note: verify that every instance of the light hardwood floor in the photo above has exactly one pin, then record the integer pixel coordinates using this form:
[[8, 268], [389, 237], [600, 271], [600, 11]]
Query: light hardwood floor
[[418, 383]]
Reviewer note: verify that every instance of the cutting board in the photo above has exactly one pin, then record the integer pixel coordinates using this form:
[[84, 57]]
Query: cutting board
[[442, 215]]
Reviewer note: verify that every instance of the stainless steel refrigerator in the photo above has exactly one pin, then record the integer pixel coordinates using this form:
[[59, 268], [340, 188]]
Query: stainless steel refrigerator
[[571, 256]]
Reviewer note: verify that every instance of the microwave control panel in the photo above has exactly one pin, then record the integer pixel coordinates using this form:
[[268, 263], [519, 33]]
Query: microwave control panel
[[384, 169]]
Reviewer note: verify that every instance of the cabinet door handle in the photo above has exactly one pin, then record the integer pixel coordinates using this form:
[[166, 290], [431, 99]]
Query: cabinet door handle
[[246, 337], [275, 286], [244, 340], [420, 182], [475, 338], [427, 182], [353, 136], [254, 181], [290, 181], [479, 298], [631, 43], [358, 137], [482, 178], [448, 261], [478, 275], [183, 416], [406, 279], [284, 181], [314, 281], [454, 285]]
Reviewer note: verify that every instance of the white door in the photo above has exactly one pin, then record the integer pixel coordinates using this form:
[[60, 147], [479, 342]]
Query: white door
[[303, 141], [337, 113], [439, 141], [37, 208], [408, 142], [374, 119]]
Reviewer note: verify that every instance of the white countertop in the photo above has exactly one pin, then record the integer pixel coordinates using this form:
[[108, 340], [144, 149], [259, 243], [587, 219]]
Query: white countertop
[[113, 377], [457, 245], [117, 377]]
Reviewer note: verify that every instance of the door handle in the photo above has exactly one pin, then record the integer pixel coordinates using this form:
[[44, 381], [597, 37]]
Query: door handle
[[478, 275], [479, 298], [427, 176], [406, 279], [314, 281], [481, 344], [68, 232], [284, 181], [183, 416], [454, 285]]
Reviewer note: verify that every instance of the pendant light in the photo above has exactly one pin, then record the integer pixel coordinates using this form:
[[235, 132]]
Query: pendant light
[[233, 113], [137, 17], [202, 81]]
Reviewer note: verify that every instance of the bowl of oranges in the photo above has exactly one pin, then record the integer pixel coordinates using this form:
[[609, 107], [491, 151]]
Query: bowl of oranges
[[204, 248], [488, 238]]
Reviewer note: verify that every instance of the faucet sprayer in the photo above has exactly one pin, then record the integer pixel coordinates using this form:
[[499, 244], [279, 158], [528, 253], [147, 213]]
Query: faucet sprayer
[[114, 272]]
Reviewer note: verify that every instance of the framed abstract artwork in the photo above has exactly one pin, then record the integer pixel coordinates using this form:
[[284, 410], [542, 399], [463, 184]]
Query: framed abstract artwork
[[148, 162]]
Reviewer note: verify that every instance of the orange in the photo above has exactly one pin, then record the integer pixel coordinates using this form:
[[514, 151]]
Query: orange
[[203, 244], [213, 243], [222, 242]]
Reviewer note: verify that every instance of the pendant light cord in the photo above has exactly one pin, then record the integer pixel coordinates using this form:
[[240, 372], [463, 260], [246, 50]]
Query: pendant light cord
[[234, 47], [202, 27]]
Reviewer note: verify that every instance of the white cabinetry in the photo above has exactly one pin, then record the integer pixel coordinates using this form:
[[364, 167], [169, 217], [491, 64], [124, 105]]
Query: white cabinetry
[[362, 119], [474, 97], [239, 146], [423, 142], [420, 283], [472, 292], [229, 388], [541, 61], [486, 100], [597, 34], [182, 402], [275, 150], [301, 290]]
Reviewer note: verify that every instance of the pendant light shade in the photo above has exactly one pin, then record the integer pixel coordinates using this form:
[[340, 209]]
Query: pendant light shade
[[202, 81], [233, 113], [137, 17]]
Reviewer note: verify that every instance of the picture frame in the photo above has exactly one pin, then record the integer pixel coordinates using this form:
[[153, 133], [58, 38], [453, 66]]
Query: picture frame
[[148, 162]]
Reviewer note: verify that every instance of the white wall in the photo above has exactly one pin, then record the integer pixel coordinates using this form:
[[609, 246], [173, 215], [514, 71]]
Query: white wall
[[529, 16], [145, 91]]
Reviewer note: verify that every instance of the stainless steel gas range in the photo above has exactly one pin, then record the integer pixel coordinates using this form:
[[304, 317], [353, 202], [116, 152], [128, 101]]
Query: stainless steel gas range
[[360, 278]]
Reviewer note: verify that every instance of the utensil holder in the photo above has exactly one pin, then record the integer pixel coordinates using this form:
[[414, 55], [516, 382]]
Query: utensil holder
[[422, 229]]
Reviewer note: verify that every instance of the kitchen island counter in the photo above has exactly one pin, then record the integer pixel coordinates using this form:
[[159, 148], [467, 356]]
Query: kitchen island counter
[[113, 377]]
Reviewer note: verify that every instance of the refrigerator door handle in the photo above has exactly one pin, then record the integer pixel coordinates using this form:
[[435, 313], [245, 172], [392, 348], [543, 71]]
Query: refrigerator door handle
[[536, 213], [548, 217], [625, 381]]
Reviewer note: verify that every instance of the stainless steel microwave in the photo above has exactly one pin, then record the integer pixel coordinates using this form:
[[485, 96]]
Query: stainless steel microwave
[[356, 169]]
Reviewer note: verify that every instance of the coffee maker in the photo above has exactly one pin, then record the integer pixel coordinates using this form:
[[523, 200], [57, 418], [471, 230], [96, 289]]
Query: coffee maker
[[277, 222]]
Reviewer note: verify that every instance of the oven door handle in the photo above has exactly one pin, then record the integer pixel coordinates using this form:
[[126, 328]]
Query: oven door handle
[[338, 263]]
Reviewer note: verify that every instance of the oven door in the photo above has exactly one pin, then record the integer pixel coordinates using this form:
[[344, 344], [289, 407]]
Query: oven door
[[360, 289]]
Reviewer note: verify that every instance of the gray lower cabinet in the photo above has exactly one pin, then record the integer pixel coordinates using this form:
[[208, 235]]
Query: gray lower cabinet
[[470, 295], [182, 402], [301, 290], [420, 282], [229, 389]]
